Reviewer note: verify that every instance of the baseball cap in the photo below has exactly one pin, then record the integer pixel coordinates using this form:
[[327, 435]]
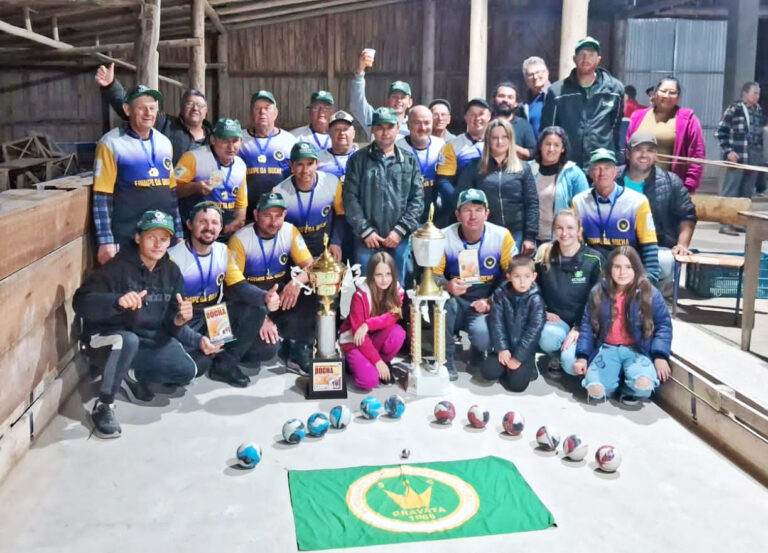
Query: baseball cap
[[303, 150], [587, 42], [322, 96], [602, 154], [399, 86], [443, 101], [270, 199], [383, 116], [472, 196], [341, 115], [153, 219], [227, 128], [200, 206], [263, 95], [143, 90], [477, 102], [642, 138]]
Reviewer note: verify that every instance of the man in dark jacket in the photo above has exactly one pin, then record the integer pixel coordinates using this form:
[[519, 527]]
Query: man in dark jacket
[[134, 316], [674, 214], [588, 104], [383, 194], [187, 131]]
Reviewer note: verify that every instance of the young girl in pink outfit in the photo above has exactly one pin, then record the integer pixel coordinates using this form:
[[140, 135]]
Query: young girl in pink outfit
[[370, 336]]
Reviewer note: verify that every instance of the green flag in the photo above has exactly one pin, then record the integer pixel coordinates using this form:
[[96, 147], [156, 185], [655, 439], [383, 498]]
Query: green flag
[[423, 501]]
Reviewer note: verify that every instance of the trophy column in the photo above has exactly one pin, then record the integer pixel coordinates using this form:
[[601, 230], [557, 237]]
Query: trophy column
[[427, 375]]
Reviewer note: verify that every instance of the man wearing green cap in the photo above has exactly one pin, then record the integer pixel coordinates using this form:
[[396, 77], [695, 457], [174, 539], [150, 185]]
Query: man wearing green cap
[[134, 317], [132, 173], [399, 98], [612, 215], [383, 194], [216, 174], [321, 107], [476, 255], [265, 150], [588, 104]]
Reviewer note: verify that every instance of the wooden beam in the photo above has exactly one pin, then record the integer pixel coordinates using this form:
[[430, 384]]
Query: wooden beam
[[84, 50], [147, 37], [330, 47], [261, 6], [214, 17], [428, 52], [651, 9], [55, 28], [197, 65], [222, 78], [478, 49], [318, 7], [27, 20]]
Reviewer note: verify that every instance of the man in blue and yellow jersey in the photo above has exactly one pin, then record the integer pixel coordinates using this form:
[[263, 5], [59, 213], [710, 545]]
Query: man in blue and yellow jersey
[[203, 262], [612, 215], [265, 150], [263, 253], [216, 174], [476, 256], [132, 173], [459, 151], [342, 132], [321, 107], [313, 201]]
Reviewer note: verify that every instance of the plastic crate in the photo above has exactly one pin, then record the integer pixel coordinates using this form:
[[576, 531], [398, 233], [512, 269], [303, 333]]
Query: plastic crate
[[708, 281]]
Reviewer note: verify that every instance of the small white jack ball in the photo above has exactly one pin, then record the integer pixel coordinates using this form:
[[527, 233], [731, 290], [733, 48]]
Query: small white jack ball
[[405, 453]]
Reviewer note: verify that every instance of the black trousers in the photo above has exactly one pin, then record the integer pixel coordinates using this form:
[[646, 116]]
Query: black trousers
[[513, 381]]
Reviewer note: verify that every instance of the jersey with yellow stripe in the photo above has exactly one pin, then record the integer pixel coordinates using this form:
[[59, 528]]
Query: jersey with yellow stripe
[[495, 248], [335, 164], [320, 140], [198, 164], [203, 281], [626, 222], [428, 158], [265, 262], [457, 154], [266, 160]]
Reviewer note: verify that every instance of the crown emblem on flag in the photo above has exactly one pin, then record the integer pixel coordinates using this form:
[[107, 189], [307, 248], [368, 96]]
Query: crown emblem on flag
[[411, 499]]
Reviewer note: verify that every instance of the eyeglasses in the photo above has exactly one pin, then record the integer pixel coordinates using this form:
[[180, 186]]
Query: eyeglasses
[[321, 109], [667, 92], [199, 105], [538, 73]]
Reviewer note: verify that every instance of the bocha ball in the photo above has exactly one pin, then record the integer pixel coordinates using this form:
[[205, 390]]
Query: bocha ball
[[445, 412], [294, 431], [478, 417], [371, 407], [548, 438], [574, 448], [340, 416], [317, 424], [513, 423], [395, 406], [248, 455], [608, 458]]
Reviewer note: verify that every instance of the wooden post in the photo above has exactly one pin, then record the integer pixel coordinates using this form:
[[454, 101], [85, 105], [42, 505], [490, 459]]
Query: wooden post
[[573, 27], [55, 28], [146, 56], [27, 20], [619, 47], [478, 49], [197, 67], [222, 84], [428, 52], [740, 51], [330, 45]]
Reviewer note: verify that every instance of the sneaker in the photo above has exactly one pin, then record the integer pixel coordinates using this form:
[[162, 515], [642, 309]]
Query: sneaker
[[553, 366], [740, 228], [137, 390], [453, 374], [728, 229], [227, 371], [300, 357], [105, 423], [630, 400]]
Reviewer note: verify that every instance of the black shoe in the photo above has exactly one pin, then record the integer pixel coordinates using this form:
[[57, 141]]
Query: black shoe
[[228, 372], [300, 357], [453, 374], [137, 390], [477, 357], [105, 423], [728, 229], [740, 228]]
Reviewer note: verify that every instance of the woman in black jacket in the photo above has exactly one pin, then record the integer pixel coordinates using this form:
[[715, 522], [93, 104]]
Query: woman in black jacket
[[567, 270], [508, 184]]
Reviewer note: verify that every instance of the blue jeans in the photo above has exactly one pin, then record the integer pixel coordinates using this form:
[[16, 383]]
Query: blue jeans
[[552, 337], [613, 362], [460, 316], [401, 255]]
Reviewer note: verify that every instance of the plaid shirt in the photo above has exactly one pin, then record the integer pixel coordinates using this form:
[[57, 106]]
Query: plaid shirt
[[738, 134]]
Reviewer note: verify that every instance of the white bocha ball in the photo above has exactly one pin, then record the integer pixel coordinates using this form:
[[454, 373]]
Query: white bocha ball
[[548, 438], [294, 431], [317, 424], [574, 448], [248, 455], [478, 417], [608, 458], [340, 416]]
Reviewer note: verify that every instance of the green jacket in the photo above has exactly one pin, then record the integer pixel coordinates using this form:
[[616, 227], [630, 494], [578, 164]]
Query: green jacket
[[383, 195]]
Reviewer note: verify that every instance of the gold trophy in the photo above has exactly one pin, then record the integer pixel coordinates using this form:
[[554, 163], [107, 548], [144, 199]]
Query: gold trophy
[[428, 376]]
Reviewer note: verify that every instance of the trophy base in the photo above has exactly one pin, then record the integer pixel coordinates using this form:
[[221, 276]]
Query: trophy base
[[327, 379], [428, 379]]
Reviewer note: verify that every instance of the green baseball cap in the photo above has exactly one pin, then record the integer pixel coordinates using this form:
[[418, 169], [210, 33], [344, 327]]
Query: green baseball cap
[[263, 95], [142, 90], [472, 196], [322, 96], [587, 42], [201, 206], [399, 86], [602, 154], [384, 115], [155, 219], [270, 199], [228, 128], [303, 150]]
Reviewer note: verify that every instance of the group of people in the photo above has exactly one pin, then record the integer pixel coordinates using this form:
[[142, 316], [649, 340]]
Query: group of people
[[551, 244]]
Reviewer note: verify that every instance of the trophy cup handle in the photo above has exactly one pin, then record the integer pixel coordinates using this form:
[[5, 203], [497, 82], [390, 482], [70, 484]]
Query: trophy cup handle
[[295, 272]]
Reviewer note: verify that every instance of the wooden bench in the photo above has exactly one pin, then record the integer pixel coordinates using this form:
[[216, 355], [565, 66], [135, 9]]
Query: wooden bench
[[721, 210]]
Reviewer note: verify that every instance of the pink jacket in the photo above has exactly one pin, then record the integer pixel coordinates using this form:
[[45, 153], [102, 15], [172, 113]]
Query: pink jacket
[[359, 313], [689, 142]]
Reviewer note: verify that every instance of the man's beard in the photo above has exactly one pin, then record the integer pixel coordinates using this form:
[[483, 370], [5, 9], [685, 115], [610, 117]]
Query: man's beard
[[502, 110]]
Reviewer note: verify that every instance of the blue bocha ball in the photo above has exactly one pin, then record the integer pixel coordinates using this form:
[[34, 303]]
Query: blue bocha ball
[[248, 455], [294, 431], [395, 406], [340, 416], [318, 424], [371, 407]]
